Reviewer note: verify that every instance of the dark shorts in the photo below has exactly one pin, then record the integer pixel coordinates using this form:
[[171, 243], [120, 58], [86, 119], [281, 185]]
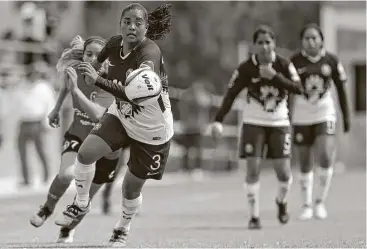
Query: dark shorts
[[255, 139], [105, 168], [146, 161], [306, 134]]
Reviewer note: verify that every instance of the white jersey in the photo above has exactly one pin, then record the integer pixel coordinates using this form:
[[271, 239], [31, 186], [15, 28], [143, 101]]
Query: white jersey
[[147, 124]]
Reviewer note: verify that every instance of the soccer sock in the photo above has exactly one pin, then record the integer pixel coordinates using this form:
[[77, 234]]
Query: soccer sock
[[253, 192], [56, 191], [84, 174], [325, 175], [306, 182], [283, 190], [128, 212]]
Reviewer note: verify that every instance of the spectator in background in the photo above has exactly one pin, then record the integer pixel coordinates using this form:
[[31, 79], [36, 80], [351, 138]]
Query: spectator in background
[[194, 108], [36, 100]]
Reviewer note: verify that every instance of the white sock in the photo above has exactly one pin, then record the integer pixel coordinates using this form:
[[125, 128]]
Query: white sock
[[283, 190], [84, 174], [253, 198], [306, 182], [128, 212], [325, 175]]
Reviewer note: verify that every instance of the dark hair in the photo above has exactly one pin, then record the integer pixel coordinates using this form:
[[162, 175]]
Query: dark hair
[[263, 29], [92, 39], [159, 20], [311, 26]]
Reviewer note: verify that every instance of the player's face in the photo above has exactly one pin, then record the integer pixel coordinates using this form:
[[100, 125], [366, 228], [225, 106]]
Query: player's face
[[133, 26], [312, 42], [264, 45], [91, 52]]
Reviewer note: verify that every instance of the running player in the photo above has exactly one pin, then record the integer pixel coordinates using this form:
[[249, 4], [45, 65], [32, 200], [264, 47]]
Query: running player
[[314, 116], [90, 104], [147, 128], [268, 78]]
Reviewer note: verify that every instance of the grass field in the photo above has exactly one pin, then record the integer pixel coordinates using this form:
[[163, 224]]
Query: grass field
[[211, 213]]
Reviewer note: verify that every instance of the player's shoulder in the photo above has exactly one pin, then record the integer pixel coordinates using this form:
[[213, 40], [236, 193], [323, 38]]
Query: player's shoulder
[[296, 56], [331, 57], [282, 60], [114, 41], [149, 46], [245, 65]]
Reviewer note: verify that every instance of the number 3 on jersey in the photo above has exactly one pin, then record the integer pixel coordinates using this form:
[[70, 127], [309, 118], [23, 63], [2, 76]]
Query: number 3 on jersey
[[157, 162]]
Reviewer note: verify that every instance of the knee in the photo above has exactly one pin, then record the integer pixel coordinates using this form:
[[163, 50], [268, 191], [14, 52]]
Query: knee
[[253, 170], [283, 169], [85, 156], [129, 192], [325, 160]]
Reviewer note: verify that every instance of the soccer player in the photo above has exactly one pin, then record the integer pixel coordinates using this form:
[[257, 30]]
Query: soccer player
[[314, 116], [147, 128], [269, 78], [90, 104]]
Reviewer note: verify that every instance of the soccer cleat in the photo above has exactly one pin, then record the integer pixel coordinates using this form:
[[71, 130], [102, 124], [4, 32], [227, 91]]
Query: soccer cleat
[[41, 216], [283, 215], [66, 235], [119, 237], [320, 211], [306, 213], [254, 223], [72, 213]]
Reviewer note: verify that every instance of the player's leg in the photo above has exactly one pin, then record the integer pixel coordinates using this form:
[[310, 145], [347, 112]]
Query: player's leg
[[251, 147], [23, 138], [105, 173], [146, 162], [109, 135], [303, 137], [61, 181], [109, 186], [279, 151], [325, 151]]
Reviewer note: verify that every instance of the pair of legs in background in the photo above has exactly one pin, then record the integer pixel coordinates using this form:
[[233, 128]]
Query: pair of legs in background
[[146, 161], [318, 142], [34, 132], [106, 169], [253, 142]]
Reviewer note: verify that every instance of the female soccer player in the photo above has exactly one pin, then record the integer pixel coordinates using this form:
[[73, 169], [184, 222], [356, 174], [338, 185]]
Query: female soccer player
[[314, 116], [90, 104], [147, 128], [268, 78]]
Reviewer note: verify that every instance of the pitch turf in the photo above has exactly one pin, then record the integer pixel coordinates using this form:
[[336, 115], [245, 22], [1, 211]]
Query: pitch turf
[[211, 213]]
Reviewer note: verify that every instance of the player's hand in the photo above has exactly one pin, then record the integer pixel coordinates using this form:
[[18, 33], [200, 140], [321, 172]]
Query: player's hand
[[89, 72], [267, 72], [346, 125], [72, 79], [54, 118], [216, 130]]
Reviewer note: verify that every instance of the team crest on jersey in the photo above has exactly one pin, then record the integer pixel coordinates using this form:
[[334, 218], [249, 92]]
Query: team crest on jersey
[[269, 96], [125, 109], [129, 72], [326, 70], [314, 86], [97, 126]]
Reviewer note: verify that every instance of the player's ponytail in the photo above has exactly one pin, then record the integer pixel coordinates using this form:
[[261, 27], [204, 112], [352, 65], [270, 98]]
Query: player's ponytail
[[159, 21], [72, 56]]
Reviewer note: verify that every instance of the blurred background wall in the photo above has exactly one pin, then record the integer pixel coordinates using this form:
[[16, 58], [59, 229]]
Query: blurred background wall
[[207, 42]]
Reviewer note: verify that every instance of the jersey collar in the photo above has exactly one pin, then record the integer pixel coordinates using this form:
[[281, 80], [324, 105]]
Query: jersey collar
[[316, 58], [122, 42]]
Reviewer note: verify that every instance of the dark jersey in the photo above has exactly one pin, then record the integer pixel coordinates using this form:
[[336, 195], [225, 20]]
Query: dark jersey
[[317, 74], [266, 99], [82, 124]]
